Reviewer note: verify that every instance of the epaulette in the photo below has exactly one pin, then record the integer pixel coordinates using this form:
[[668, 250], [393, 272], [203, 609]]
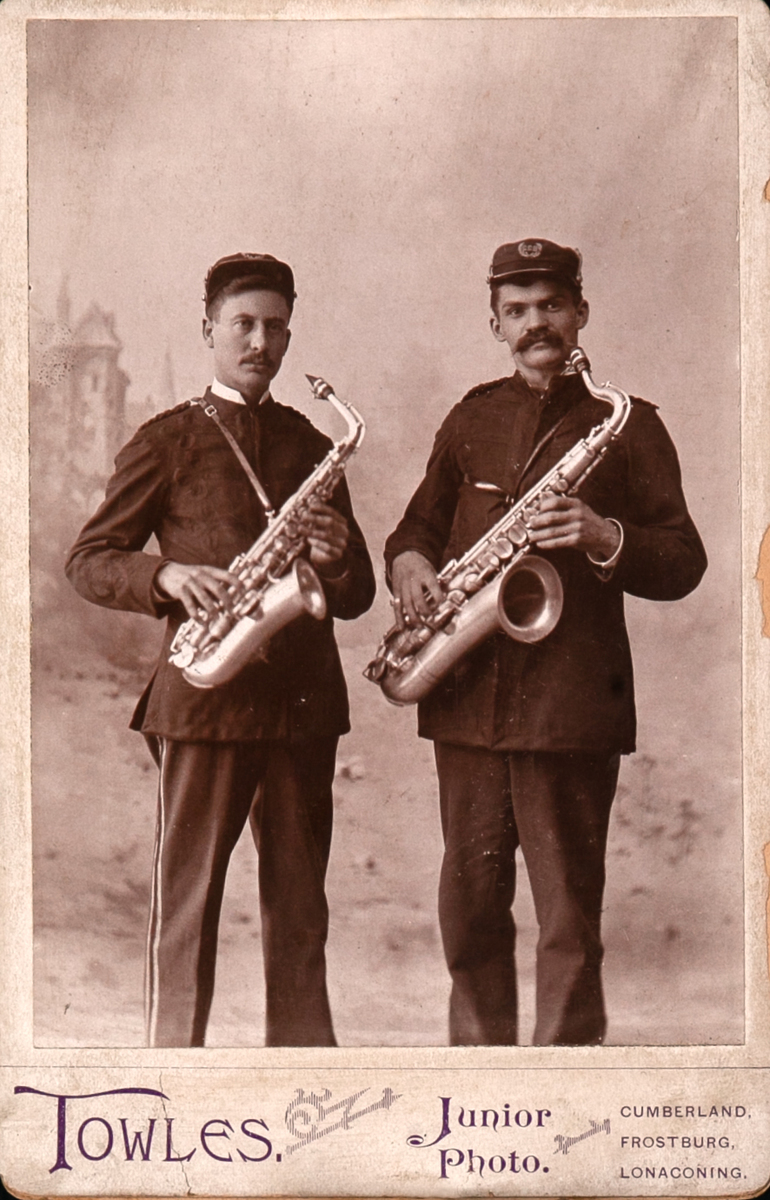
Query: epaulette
[[485, 387], [169, 412]]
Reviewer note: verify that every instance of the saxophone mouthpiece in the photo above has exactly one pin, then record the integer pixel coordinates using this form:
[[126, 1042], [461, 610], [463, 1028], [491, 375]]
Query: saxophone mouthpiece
[[578, 360], [321, 389]]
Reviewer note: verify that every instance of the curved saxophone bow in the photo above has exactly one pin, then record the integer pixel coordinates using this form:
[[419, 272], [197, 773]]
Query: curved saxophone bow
[[275, 585], [497, 585]]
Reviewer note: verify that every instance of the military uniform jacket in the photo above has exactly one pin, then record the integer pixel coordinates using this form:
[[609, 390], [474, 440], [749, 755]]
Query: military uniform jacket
[[179, 479], [573, 690]]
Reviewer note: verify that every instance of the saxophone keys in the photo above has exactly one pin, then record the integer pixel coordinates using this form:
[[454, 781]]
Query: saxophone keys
[[503, 548], [221, 625], [184, 656], [518, 535], [456, 598], [420, 638], [196, 635], [559, 485], [376, 670], [249, 602], [442, 619]]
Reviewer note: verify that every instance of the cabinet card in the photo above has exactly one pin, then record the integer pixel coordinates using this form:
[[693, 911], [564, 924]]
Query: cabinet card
[[385, 152]]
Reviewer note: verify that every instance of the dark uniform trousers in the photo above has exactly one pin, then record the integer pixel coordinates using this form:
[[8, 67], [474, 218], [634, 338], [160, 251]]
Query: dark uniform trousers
[[556, 806], [207, 791]]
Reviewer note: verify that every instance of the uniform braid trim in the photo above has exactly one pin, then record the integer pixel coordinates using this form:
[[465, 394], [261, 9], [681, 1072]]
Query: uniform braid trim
[[168, 412], [486, 387]]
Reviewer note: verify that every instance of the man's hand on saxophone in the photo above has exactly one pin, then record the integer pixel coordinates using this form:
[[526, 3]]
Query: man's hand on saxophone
[[198, 587], [327, 535], [416, 590], [566, 522], [211, 589]]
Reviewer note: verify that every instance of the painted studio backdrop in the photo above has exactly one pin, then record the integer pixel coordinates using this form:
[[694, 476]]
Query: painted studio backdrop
[[385, 160]]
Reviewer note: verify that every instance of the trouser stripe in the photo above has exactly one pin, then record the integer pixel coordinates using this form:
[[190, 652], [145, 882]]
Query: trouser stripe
[[156, 907]]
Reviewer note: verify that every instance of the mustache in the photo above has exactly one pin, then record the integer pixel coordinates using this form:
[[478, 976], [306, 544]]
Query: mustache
[[257, 360], [542, 335]]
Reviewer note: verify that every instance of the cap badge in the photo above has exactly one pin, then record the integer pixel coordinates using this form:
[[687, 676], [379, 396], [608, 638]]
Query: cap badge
[[530, 249]]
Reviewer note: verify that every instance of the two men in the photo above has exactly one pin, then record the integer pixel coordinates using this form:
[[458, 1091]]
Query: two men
[[528, 737], [263, 746]]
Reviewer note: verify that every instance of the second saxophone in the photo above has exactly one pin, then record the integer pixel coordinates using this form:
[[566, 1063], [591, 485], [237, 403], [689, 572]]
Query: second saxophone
[[497, 585], [275, 585]]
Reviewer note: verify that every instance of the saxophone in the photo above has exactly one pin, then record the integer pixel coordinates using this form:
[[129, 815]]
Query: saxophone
[[497, 584], [274, 585]]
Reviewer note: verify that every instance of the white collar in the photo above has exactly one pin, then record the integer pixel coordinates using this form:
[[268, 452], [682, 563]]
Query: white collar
[[227, 393]]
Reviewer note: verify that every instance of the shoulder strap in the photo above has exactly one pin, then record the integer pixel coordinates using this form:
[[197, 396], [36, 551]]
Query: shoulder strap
[[541, 445], [211, 412]]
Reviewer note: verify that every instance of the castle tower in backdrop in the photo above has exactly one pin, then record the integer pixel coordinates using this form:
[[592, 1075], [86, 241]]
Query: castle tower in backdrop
[[77, 389], [79, 416], [94, 394]]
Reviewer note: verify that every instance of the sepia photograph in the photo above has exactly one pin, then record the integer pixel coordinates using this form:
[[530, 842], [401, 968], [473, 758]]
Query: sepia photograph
[[542, 178], [387, 587]]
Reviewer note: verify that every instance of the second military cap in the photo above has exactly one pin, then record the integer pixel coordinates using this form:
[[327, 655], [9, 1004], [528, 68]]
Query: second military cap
[[535, 256], [269, 272]]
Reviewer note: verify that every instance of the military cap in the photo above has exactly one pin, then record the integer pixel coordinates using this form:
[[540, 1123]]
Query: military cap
[[266, 271], [535, 256]]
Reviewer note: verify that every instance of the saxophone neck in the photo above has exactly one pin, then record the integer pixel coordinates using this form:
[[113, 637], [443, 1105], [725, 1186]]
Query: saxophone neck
[[322, 481], [620, 400], [355, 422]]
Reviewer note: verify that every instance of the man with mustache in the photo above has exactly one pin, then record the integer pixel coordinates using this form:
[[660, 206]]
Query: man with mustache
[[528, 737], [263, 746]]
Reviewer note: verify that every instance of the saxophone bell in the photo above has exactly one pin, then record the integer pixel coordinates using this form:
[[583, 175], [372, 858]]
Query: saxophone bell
[[524, 602], [530, 599], [298, 591]]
